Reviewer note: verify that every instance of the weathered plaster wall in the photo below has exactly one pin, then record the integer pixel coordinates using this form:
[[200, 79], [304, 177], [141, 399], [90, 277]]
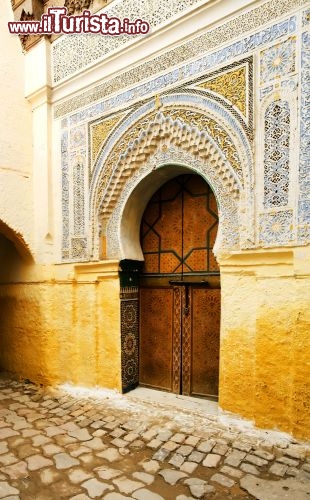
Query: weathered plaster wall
[[15, 135], [265, 348], [60, 324]]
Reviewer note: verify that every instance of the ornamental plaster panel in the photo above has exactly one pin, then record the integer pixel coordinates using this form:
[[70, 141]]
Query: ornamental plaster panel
[[175, 57], [233, 86], [278, 61], [72, 53], [276, 229], [278, 164], [304, 160]]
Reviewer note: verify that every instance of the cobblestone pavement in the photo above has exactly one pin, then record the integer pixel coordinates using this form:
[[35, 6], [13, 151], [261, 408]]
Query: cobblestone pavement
[[55, 445]]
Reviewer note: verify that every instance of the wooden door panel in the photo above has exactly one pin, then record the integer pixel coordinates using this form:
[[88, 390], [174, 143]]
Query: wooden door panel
[[156, 331], [205, 341]]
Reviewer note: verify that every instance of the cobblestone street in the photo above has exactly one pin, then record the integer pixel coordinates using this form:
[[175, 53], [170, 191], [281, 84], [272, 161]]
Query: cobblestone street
[[58, 445]]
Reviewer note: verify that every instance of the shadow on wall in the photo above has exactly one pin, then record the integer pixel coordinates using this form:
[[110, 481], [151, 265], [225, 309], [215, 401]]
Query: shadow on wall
[[20, 311]]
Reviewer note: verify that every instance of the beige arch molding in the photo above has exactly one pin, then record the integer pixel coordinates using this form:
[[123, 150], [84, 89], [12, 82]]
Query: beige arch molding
[[163, 142], [164, 132], [181, 146], [17, 240]]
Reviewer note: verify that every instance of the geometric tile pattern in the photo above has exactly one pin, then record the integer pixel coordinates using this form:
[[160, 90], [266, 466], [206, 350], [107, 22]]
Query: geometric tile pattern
[[276, 154], [276, 228], [278, 61], [304, 160], [179, 55]]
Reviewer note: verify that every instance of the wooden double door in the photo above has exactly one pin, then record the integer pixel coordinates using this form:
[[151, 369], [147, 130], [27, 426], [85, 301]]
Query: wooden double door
[[179, 293]]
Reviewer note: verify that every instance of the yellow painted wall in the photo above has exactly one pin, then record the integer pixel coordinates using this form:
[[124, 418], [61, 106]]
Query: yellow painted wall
[[64, 326], [265, 342]]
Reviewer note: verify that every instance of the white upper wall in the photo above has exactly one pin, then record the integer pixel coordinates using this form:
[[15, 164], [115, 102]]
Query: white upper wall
[[15, 134]]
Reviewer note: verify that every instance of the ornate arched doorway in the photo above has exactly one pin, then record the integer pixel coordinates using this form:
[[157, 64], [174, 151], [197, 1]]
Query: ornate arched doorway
[[179, 292]]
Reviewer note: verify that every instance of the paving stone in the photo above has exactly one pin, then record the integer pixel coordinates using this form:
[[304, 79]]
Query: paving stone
[[95, 444], [80, 435], [292, 471], [152, 466], [65, 461], [51, 449], [3, 447], [110, 454], [164, 435], [185, 450], [115, 496], [296, 451], [170, 446], [150, 434], [198, 487], [49, 476], [29, 433], [144, 477], [154, 444], [223, 480], [189, 467], [196, 456], [256, 460], [288, 489], [138, 443], [99, 433], [6, 490], [172, 476], [264, 454], [40, 440], [70, 426], [145, 494], [234, 458], [192, 440], [179, 438], [117, 432], [220, 449], [226, 469], [306, 467], [8, 459], [131, 436], [107, 473], [75, 450], [278, 469], [206, 446], [97, 424], [249, 469], [288, 461], [16, 471], [64, 440], [211, 460], [78, 475], [36, 462], [87, 458], [126, 485], [177, 460], [7, 432], [80, 497], [242, 446], [160, 455], [120, 443], [96, 488]]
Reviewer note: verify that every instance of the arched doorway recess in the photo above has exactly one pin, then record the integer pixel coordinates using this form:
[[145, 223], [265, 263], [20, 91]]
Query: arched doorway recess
[[179, 292]]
